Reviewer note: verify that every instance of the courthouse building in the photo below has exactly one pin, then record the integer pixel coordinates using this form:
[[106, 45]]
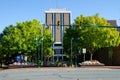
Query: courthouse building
[[52, 18]]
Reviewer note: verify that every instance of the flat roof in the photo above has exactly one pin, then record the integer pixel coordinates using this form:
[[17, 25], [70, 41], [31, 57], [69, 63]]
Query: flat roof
[[58, 11]]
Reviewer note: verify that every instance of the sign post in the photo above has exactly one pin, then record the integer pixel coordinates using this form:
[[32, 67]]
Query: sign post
[[84, 52]]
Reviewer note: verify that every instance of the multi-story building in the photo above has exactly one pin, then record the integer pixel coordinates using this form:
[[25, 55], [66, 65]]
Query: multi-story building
[[114, 23], [53, 17]]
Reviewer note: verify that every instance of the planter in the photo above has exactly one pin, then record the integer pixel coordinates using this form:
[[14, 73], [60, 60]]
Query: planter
[[91, 63]]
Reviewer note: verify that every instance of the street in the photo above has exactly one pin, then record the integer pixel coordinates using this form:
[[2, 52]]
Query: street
[[60, 74]]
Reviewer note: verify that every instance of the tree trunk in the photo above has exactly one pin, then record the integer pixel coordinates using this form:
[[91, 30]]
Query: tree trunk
[[91, 55], [48, 59]]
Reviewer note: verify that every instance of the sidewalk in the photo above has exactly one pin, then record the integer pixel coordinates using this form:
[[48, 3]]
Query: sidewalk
[[105, 67], [109, 67], [112, 67]]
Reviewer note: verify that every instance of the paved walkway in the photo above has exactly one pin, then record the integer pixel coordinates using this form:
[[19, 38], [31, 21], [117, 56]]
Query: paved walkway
[[107, 67]]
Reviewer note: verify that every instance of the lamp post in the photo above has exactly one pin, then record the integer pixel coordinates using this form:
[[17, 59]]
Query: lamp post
[[38, 43], [76, 61], [71, 51], [76, 56]]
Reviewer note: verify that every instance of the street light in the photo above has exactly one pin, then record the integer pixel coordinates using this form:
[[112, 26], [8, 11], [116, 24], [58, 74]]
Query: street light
[[76, 56], [71, 51], [38, 43]]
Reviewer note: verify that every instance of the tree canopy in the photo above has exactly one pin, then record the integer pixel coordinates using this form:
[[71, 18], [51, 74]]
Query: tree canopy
[[91, 33], [91, 21], [19, 39]]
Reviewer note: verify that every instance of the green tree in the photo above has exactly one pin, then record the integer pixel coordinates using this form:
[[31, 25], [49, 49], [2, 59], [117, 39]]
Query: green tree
[[48, 41], [95, 38], [90, 21], [20, 39], [73, 35], [93, 33]]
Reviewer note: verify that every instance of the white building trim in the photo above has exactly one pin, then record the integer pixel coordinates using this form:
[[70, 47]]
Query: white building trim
[[58, 11]]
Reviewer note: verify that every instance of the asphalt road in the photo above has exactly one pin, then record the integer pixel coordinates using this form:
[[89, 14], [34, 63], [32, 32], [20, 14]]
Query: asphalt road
[[60, 74]]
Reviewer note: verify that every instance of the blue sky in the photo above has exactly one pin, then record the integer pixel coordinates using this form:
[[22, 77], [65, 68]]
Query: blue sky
[[12, 11]]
